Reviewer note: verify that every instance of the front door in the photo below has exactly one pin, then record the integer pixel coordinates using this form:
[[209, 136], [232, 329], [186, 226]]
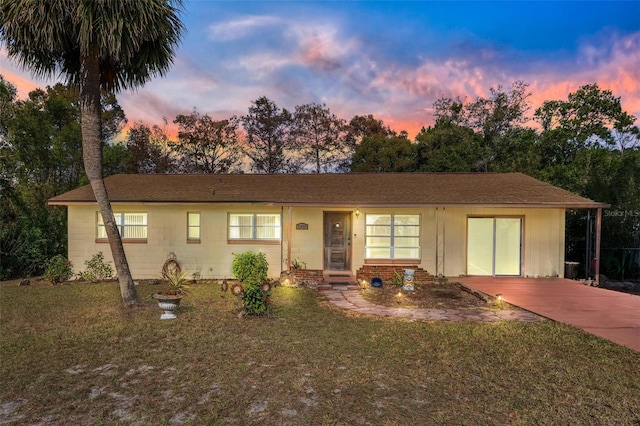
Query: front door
[[337, 241]]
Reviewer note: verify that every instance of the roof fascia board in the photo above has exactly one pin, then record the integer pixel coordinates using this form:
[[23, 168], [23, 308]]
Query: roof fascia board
[[593, 205], [461, 205]]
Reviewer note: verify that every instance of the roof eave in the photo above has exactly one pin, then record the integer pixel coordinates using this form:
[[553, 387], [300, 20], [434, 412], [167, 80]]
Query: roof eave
[[453, 205], [354, 204]]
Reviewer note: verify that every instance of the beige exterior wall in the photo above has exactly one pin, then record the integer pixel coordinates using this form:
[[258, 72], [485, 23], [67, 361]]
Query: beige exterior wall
[[543, 234], [306, 245], [543, 239], [166, 233]]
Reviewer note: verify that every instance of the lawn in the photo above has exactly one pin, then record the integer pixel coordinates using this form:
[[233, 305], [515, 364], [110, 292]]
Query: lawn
[[73, 354]]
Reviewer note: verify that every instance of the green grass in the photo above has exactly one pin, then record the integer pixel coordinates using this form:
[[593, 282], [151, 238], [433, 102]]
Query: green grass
[[74, 355]]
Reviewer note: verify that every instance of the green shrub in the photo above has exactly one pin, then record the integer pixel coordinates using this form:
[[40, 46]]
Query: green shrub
[[58, 269], [256, 298], [97, 269], [250, 266]]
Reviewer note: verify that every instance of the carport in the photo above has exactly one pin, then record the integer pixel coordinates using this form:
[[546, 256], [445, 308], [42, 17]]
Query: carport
[[612, 315]]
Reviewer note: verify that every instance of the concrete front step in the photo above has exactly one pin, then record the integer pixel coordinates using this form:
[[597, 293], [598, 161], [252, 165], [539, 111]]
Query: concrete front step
[[338, 281], [338, 287], [338, 277]]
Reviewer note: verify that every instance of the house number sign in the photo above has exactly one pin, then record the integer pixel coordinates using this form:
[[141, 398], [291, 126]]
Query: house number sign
[[302, 226]]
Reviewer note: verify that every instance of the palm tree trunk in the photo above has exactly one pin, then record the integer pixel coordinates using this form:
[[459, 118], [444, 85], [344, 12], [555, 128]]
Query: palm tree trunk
[[91, 117]]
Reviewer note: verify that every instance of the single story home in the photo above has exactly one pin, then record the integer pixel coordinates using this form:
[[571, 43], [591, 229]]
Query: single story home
[[356, 224]]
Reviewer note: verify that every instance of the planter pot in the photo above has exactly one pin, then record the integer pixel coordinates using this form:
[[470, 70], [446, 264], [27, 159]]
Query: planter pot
[[168, 303], [376, 282]]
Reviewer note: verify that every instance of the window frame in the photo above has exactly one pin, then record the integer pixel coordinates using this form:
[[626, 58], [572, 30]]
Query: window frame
[[198, 239], [392, 239], [122, 226], [254, 229]]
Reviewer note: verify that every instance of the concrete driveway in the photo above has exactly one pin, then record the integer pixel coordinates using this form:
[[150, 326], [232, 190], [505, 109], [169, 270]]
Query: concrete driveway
[[609, 314]]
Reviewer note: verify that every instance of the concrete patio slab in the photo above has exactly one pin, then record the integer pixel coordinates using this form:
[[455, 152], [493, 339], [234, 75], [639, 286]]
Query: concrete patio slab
[[608, 314]]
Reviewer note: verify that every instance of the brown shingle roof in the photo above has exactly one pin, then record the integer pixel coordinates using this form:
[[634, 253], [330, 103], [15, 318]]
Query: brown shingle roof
[[352, 189]]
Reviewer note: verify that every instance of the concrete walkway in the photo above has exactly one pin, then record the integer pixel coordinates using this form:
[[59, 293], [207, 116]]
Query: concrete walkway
[[609, 314], [354, 301]]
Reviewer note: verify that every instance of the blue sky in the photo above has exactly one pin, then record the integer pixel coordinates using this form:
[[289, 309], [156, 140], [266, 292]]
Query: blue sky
[[389, 59]]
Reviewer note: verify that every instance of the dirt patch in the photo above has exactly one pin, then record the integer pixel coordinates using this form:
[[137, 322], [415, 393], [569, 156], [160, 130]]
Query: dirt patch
[[430, 295]]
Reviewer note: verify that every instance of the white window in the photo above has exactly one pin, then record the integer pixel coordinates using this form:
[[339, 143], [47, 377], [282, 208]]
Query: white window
[[392, 236], [254, 226], [193, 226], [132, 226]]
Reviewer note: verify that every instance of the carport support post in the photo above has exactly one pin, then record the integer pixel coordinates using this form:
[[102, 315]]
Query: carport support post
[[598, 236]]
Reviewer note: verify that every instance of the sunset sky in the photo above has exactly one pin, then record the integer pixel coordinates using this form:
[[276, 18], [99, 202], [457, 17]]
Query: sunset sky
[[389, 59]]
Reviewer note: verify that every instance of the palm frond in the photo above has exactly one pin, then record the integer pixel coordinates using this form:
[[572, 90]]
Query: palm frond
[[134, 40]]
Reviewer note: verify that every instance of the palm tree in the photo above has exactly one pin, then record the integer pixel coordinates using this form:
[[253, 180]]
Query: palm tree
[[96, 44]]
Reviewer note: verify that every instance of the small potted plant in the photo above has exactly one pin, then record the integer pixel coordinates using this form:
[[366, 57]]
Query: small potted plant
[[298, 264], [170, 296]]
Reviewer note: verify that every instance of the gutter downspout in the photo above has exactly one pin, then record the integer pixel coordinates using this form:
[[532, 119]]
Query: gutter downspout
[[289, 233], [281, 247], [588, 251], [437, 241], [441, 244], [444, 240]]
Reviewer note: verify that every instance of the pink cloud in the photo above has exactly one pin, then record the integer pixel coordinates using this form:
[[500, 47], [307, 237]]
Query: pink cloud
[[321, 47], [409, 93], [22, 79], [614, 68], [23, 84]]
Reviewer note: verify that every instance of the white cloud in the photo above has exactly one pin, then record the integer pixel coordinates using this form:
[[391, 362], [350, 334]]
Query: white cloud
[[240, 28], [261, 65]]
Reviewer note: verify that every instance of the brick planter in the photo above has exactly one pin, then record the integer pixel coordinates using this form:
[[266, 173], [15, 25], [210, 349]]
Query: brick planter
[[309, 276], [387, 272]]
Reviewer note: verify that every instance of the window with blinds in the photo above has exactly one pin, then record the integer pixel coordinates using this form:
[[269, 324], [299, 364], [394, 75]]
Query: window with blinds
[[132, 226], [254, 226]]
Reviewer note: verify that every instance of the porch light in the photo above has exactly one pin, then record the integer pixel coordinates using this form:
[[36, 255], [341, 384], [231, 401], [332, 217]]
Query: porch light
[[357, 212]]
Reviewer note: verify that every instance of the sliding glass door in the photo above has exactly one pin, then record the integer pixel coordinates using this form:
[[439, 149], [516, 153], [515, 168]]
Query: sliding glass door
[[494, 246]]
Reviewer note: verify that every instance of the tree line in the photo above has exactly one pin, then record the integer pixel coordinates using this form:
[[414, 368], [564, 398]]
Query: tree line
[[268, 139], [586, 144]]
